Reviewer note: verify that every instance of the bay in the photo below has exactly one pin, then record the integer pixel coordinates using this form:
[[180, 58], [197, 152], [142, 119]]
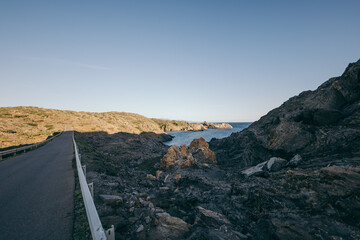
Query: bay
[[185, 137]]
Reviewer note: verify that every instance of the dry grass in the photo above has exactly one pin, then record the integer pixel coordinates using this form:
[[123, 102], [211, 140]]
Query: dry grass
[[26, 125]]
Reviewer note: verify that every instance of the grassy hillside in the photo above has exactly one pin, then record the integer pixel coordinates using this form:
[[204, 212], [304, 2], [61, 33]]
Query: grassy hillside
[[26, 125], [172, 125]]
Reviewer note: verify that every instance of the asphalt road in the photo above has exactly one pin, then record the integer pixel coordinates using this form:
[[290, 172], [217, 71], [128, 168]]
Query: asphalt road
[[36, 192]]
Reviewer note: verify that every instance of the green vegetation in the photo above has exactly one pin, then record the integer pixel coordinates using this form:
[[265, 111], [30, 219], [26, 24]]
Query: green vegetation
[[21, 116], [8, 131], [5, 115]]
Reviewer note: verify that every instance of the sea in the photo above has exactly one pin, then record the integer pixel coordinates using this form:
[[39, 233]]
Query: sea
[[185, 137]]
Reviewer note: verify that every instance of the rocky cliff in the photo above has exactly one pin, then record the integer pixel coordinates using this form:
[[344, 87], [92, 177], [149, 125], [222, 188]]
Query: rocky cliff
[[316, 123]]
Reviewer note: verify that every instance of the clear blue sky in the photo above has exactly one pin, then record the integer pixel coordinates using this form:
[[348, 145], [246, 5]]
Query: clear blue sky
[[190, 60]]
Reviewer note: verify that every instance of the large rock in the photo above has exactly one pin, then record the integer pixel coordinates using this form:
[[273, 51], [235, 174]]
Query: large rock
[[275, 164], [198, 127], [295, 161], [170, 157], [217, 125], [169, 227], [254, 170], [111, 199], [210, 218], [198, 143], [196, 153], [326, 116]]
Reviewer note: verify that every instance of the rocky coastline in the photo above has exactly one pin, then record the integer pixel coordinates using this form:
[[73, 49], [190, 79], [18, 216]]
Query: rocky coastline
[[294, 174], [175, 126]]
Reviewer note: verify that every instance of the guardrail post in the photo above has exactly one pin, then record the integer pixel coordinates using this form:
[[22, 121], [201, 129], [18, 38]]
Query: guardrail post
[[110, 233], [0, 157], [91, 188], [84, 169]]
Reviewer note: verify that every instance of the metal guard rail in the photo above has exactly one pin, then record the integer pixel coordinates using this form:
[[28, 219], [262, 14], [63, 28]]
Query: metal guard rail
[[96, 228], [35, 145]]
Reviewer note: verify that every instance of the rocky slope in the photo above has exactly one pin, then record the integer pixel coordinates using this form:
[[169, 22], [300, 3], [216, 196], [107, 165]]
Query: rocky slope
[[184, 194], [316, 123], [294, 174], [298, 167]]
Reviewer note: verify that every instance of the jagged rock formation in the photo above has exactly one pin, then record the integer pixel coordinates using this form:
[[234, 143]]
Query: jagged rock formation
[[314, 195], [196, 153], [315, 123]]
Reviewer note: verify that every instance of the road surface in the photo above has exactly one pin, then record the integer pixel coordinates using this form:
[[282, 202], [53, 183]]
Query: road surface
[[36, 192]]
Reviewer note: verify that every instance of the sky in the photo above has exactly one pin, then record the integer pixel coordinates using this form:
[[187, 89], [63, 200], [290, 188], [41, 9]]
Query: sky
[[185, 60]]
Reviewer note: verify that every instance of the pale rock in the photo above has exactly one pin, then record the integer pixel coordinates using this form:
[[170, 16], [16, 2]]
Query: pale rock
[[147, 219], [294, 162], [211, 218], [140, 228], [275, 164], [111, 199], [158, 173], [151, 177], [254, 170], [169, 227]]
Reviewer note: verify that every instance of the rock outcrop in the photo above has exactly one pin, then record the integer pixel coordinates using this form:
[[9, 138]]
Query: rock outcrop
[[174, 126], [321, 122], [216, 125], [169, 227], [196, 153]]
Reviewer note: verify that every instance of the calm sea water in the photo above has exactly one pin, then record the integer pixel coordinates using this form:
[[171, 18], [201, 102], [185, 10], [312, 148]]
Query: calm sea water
[[187, 137]]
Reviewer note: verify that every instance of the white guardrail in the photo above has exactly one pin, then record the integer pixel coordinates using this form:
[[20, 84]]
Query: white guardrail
[[97, 231], [23, 149]]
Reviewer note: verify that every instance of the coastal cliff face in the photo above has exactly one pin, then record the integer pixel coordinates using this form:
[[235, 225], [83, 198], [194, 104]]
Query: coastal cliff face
[[316, 123]]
